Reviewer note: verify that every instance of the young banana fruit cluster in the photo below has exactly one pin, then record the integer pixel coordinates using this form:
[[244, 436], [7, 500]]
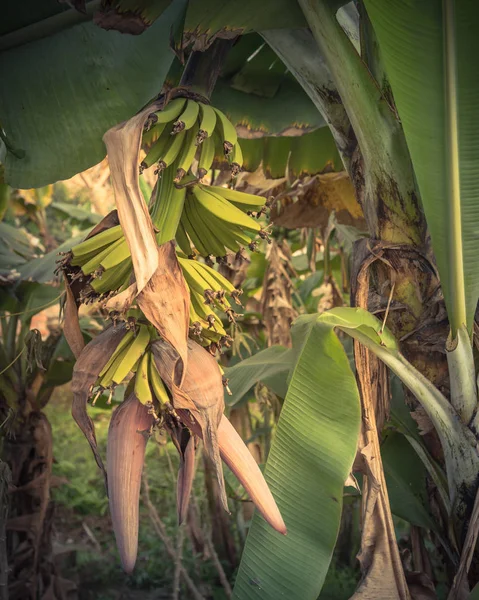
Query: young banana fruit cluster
[[185, 129], [214, 221], [209, 291], [132, 355]]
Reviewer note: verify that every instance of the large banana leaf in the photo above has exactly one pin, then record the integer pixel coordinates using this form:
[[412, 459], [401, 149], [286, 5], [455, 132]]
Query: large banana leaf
[[310, 458], [60, 93], [270, 366], [314, 447], [289, 112], [300, 155], [430, 63], [406, 482]]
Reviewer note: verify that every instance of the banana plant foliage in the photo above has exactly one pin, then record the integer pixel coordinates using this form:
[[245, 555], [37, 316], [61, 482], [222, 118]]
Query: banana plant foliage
[[313, 435], [60, 93], [427, 48], [317, 432]]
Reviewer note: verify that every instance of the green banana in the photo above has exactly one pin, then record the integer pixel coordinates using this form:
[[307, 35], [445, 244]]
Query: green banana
[[135, 351], [113, 279], [157, 385], [124, 342], [206, 232], [236, 159], [187, 154], [226, 234], [207, 122], [233, 233], [157, 150], [188, 117], [116, 256], [172, 151], [207, 156], [169, 218], [96, 242], [163, 191], [194, 279], [224, 210], [106, 380], [170, 112], [241, 200], [211, 275], [142, 385], [182, 239], [93, 264], [191, 231], [227, 132]]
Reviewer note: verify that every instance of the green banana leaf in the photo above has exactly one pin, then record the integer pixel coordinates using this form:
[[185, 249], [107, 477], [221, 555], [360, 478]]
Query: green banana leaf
[[436, 90], [289, 112], [60, 93], [15, 248], [206, 19], [69, 210], [313, 438], [474, 595], [42, 269], [32, 13], [270, 366], [310, 458], [406, 482], [308, 154]]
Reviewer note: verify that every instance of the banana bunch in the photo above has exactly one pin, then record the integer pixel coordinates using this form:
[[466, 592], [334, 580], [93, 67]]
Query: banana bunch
[[209, 291], [126, 357], [184, 129], [132, 355], [104, 263], [214, 220]]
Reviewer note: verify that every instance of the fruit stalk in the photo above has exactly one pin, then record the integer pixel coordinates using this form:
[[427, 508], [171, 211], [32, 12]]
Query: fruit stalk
[[203, 68]]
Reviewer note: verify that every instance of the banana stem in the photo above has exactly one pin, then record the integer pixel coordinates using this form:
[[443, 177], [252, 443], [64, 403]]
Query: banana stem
[[203, 68]]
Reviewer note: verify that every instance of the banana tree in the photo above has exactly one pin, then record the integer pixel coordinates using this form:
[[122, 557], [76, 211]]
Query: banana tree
[[394, 84]]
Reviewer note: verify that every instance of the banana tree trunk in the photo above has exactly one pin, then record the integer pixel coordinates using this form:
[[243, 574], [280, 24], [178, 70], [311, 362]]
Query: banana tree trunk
[[32, 572]]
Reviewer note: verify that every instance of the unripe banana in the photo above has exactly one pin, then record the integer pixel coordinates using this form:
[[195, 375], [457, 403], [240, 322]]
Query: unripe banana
[[172, 151], [227, 132], [113, 279], [193, 278], [117, 255], [157, 150], [142, 385], [182, 239], [187, 154], [214, 279], [106, 380], [170, 215], [207, 156], [157, 384], [135, 351], [207, 122], [242, 200], [223, 209], [125, 455], [202, 225], [188, 117], [125, 341], [94, 263], [236, 159], [97, 242], [191, 230], [169, 113]]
